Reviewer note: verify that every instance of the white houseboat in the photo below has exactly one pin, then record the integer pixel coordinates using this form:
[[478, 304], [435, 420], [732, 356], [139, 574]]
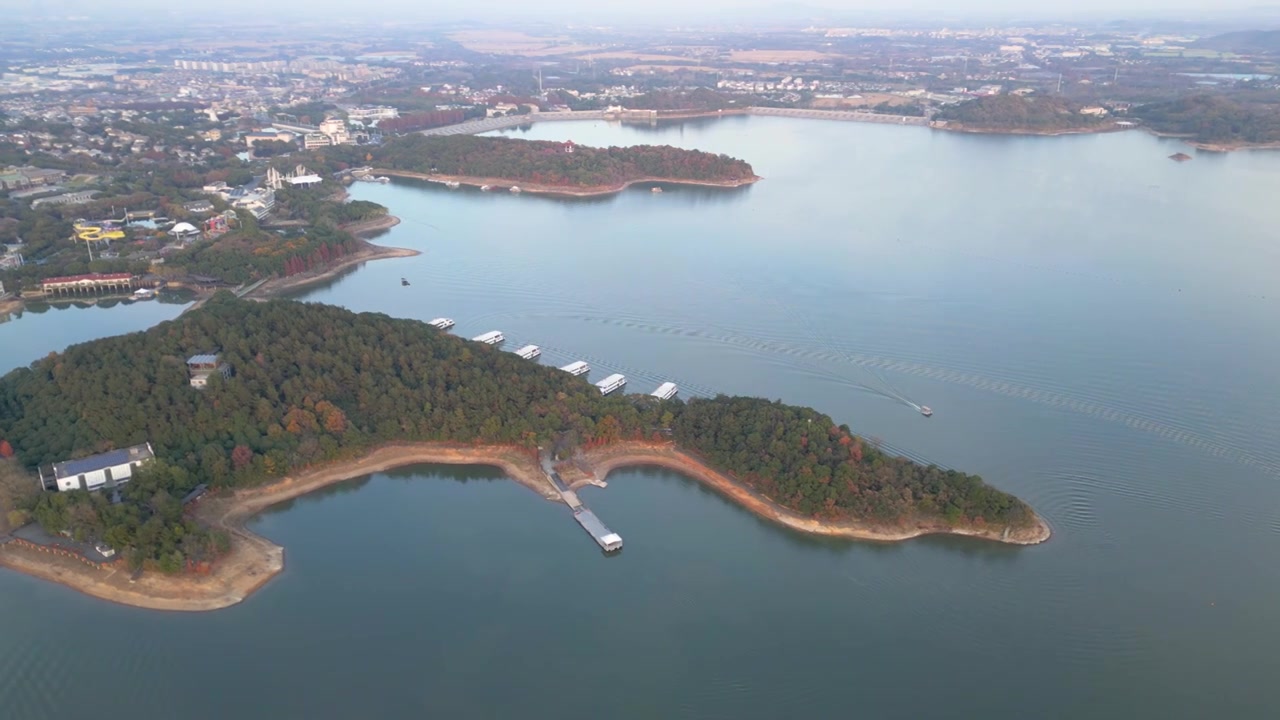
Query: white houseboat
[[665, 391], [611, 383], [493, 337], [577, 368], [441, 323], [529, 352]]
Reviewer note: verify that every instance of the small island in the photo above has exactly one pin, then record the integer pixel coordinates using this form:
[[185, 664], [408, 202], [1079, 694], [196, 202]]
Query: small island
[[305, 395], [553, 168]]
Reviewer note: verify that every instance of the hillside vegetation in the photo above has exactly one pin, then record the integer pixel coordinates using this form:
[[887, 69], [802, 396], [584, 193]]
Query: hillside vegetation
[[548, 163], [1214, 119], [1014, 113], [314, 383]]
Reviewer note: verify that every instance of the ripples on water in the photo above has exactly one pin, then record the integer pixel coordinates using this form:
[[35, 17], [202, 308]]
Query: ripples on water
[[1090, 372]]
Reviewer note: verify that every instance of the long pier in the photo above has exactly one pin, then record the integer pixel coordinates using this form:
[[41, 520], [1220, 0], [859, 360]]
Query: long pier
[[475, 127], [608, 540]]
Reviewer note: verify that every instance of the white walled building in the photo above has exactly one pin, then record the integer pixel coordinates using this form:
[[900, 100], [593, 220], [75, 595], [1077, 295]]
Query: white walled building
[[98, 471]]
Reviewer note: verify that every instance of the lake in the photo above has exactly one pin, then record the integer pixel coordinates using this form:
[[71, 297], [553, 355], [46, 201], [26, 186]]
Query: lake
[[1092, 323]]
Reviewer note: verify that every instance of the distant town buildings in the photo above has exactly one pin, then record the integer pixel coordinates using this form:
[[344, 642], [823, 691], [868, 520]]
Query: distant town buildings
[[268, 135], [374, 113], [97, 471], [22, 178]]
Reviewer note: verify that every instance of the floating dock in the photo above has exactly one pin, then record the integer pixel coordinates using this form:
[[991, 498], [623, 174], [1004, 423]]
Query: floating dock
[[606, 538], [529, 352], [493, 337], [665, 391], [577, 368]]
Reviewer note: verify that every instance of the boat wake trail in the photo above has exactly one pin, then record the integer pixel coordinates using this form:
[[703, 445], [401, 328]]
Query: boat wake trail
[[887, 391]]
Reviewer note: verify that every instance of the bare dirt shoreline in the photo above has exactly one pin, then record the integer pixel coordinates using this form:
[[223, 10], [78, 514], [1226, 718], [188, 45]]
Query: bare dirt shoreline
[[367, 252], [559, 190], [602, 462], [254, 560]]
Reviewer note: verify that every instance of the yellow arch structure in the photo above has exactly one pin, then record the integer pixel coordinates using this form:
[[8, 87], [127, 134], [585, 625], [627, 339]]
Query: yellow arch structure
[[93, 233]]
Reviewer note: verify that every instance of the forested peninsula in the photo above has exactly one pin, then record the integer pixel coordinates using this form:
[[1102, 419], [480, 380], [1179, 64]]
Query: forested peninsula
[[553, 167], [1213, 122], [1016, 114], [315, 386]]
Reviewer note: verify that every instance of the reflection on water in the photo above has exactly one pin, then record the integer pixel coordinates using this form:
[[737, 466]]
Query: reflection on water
[[1053, 299]]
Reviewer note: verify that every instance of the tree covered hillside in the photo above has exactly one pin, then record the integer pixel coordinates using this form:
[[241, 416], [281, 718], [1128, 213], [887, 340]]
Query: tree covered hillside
[[1214, 119], [315, 383], [804, 461], [549, 163], [1015, 113]]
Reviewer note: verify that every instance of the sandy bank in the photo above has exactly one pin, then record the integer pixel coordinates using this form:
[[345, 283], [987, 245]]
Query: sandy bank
[[10, 305], [253, 560], [504, 185], [367, 252], [601, 462]]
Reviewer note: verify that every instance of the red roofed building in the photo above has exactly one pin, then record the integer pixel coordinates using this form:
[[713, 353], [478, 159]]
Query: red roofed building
[[93, 282]]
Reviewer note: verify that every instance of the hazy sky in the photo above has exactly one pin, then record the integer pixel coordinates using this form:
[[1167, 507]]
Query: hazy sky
[[656, 10]]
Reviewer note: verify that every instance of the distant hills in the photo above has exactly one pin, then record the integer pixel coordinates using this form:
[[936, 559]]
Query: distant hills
[[1244, 42]]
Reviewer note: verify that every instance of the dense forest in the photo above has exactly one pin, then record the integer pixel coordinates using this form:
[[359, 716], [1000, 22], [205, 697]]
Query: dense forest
[[1017, 113], [1214, 119], [549, 162], [314, 383]]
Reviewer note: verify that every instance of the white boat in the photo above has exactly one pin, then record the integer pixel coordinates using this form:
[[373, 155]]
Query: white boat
[[925, 411], [577, 368], [515, 189], [144, 294], [611, 383], [382, 179], [453, 184], [493, 337], [441, 323], [529, 352], [665, 391], [486, 188], [657, 190]]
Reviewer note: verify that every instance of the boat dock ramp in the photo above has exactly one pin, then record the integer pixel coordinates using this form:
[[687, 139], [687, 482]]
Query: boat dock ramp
[[608, 540]]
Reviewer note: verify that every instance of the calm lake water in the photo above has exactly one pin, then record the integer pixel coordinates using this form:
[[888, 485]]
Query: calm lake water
[[1092, 323]]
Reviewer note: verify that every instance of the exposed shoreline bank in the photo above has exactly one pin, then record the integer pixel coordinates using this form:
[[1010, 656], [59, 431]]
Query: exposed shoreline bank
[[368, 251], [602, 462], [560, 190], [254, 560], [11, 305], [1031, 131]]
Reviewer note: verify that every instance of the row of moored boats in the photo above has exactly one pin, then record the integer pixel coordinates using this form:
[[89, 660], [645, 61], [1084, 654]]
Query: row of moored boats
[[616, 381]]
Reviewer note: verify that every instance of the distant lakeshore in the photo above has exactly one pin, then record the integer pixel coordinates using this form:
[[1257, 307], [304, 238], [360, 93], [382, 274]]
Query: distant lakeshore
[[505, 184], [853, 115], [253, 560]]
